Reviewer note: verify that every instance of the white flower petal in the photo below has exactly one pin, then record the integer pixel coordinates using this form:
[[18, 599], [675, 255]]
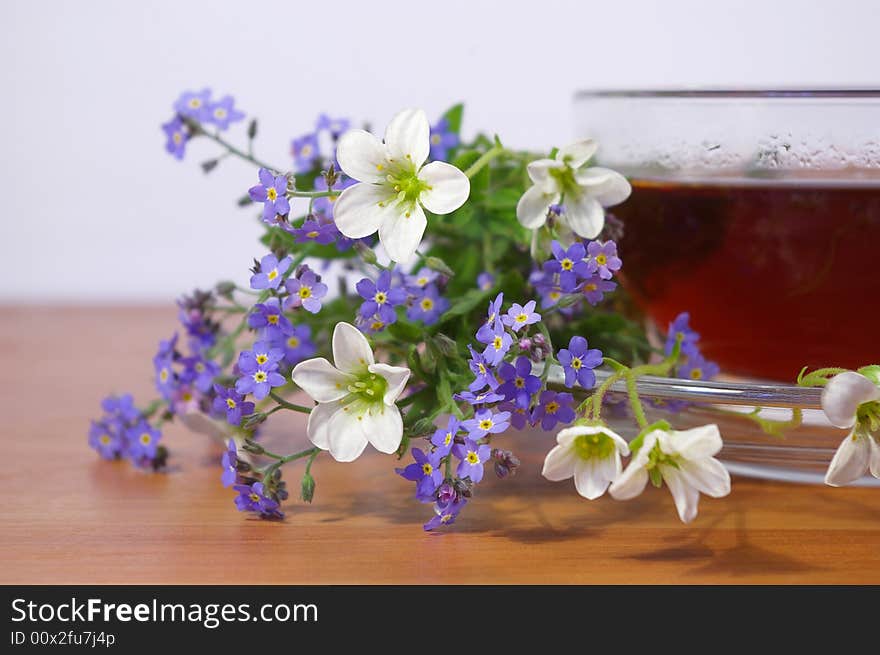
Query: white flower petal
[[706, 475], [396, 376], [851, 461], [843, 394], [584, 215], [539, 173], [631, 482], [384, 428], [319, 423], [449, 187], [613, 189], [589, 479], [321, 380], [577, 154], [351, 350], [559, 463], [401, 232], [685, 496], [362, 156], [407, 137], [875, 459], [347, 437], [532, 208], [360, 209], [696, 443]]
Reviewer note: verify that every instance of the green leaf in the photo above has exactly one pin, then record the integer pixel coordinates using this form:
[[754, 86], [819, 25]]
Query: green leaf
[[453, 117], [406, 331], [465, 303]]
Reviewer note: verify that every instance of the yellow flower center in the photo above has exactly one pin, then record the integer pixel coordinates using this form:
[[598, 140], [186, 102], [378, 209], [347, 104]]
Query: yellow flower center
[[427, 469], [422, 281], [522, 318], [696, 374], [435, 139], [552, 407], [220, 113], [262, 358], [271, 193], [566, 264], [311, 235], [260, 376], [293, 342], [177, 137], [145, 439], [486, 424], [377, 325], [590, 286], [380, 297], [305, 292], [195, 103], [272, 274], [576, 363], [497, 343], [601, 259], [230, 403], [481, 368], [554, 295], [255, 498], [447, 439], [306, 151], [472, 458], [163, 375], [427, 304], [105, 439], [272, 319], [519, 383]]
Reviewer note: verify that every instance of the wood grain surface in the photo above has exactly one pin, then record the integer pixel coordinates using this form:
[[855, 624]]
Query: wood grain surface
[[69, 517]]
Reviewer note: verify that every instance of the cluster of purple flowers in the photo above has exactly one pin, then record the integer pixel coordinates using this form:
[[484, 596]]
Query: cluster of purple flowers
[[307, 150], [420, 293], [584, 268], [693, 365], [253, 495], [123, 431], [182, 380], [200, 107]]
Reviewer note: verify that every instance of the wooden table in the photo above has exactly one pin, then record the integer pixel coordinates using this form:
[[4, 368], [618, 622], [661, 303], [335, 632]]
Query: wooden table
[[69, 517]]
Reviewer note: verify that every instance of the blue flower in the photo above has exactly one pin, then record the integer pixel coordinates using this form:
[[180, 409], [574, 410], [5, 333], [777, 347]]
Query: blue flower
[[472, 457], [519, 316], [697, 367], [298, 345], [305, 152], [689, 338], [176, 137], [306, 291], [497, 342], [231, 403], [229, 463], [425, 472], [336, 127], [444, 438], [269, 322], [143, 441], [442, 140], [484, 375], [253, 498], [594, 289], [445, 514], [486, 422], [519, 384], [194, 104], [380, 298], [553, 408], [577, 361], [602, 259], [199, 372], [259, 370], [272, 192], [223, 112], [270, 272], [569, 264], [485, 281], [483, 398], [427, 306]]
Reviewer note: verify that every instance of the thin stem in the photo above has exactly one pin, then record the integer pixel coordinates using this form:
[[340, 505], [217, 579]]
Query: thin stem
[[484, 159], [288, 405], [234, 150], [635, 401]]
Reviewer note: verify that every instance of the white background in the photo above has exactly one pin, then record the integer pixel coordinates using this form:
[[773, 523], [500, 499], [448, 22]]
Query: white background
[[94, 209]]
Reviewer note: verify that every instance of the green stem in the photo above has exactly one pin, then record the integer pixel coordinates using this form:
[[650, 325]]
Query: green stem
[[288, 405], [484, 159], [635, 401], [234, 150]]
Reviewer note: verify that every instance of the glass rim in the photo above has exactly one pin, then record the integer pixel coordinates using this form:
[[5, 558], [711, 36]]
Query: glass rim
[[727, 93]]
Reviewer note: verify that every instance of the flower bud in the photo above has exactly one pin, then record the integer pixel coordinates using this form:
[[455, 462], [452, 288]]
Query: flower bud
[[252, 446]]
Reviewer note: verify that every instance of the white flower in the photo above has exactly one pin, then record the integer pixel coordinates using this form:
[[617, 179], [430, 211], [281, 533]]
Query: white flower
[[851, 400], [395, 185], [590, 454], [684, 460], [355, 397], [583, 192]]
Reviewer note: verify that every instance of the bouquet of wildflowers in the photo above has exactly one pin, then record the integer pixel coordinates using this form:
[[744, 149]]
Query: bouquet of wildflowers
[[421, 296]]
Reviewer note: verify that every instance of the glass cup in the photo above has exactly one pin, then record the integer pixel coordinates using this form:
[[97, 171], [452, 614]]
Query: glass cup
[[756, 211]]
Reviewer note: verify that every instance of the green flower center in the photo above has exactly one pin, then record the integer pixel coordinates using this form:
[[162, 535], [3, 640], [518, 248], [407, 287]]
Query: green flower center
[[594, 446], [403, 179], [868, 416], [565, 181], [369, 387]]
